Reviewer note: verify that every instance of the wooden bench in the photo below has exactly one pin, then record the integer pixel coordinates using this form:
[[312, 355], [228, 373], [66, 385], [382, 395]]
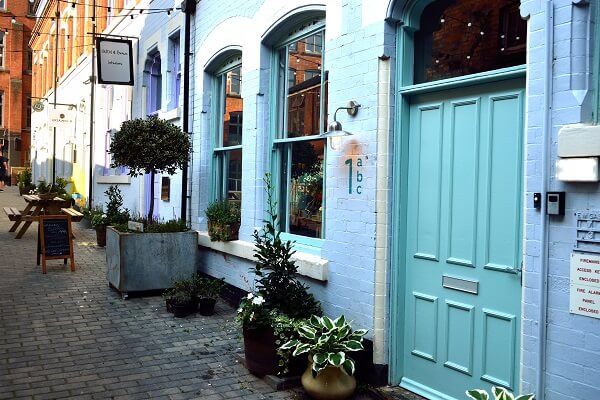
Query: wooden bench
[[76, 216], [12, 213]]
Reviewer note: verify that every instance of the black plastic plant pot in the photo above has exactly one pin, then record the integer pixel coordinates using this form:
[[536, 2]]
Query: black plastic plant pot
[[207, 306], [181, 310]]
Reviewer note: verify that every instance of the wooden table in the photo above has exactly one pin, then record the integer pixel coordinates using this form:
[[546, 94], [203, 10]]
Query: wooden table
[[36, 205]]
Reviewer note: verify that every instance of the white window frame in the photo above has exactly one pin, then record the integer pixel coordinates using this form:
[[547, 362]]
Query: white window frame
[[281, 143], [221, 152]]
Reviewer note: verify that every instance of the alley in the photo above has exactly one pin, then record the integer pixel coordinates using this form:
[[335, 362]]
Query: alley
[[68, 335]]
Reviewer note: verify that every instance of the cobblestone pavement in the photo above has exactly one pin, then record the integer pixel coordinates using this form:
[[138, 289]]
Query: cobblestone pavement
[[69, 335]]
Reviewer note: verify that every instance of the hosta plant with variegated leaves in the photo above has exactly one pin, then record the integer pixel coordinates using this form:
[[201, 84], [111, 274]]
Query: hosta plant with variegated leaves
[[327, 341], [499, 393]]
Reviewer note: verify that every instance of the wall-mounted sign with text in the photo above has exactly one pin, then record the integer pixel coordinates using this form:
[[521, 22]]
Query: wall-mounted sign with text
[[61, 118], [585, 285], [115, 61]]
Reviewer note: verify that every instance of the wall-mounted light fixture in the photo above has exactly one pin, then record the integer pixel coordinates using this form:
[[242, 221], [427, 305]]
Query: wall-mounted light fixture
[[334, 129]]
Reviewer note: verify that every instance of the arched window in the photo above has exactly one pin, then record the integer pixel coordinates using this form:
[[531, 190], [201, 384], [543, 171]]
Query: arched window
[[227, 128], [464, 37], [153, 82]]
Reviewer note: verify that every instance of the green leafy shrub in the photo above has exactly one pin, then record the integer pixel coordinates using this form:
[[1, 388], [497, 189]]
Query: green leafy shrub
[[276, 271], [24, 179], [499, 393], [150, 145], [223, 220], [327, 341]]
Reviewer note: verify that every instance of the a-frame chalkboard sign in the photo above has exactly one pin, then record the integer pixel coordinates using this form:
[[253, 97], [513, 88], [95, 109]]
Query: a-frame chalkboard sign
[[55, 239]]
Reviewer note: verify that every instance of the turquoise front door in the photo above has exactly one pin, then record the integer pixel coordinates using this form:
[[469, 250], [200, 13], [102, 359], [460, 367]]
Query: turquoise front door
[[463, 241]]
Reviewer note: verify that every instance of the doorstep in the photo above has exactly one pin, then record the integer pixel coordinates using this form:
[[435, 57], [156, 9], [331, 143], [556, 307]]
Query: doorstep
[[363, 392]]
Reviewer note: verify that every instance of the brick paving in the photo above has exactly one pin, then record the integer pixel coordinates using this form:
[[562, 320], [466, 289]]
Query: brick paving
[[68, 335]]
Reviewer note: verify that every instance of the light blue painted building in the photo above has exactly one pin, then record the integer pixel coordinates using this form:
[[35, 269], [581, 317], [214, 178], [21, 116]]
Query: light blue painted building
[[423, 225]]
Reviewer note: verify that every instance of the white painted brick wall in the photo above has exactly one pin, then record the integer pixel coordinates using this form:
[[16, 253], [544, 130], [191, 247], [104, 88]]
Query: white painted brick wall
[[572, 371], [351, 58]]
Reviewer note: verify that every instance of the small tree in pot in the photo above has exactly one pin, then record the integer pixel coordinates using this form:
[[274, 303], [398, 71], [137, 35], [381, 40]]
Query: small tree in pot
[[148, 146]]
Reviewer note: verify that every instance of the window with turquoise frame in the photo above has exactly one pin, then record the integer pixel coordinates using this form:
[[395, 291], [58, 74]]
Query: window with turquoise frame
[[301, 114], [227, 127]]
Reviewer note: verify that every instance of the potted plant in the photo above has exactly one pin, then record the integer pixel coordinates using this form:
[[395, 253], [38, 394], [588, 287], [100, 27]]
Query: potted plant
[[113, 215], [148, 146], [207, 290], [99, 221], [223, 220], [24, 181], [181, 303], [278, 291], [330, 370], [153, 259]]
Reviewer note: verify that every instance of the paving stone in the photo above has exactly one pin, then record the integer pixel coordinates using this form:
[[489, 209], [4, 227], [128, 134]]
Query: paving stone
[[69, 335]]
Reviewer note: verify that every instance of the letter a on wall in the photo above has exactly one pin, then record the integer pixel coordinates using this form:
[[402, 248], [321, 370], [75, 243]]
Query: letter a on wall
[[115, 61]]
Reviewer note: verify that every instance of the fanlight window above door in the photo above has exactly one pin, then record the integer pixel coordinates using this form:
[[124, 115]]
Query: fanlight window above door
[[462, 37]]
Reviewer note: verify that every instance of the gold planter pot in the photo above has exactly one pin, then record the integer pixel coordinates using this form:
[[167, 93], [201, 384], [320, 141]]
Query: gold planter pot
[[332, 383]]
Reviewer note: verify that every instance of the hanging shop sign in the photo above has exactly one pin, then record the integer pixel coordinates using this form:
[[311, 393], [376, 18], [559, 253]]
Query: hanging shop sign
[[585, 285], [115, 61], [61, 118]]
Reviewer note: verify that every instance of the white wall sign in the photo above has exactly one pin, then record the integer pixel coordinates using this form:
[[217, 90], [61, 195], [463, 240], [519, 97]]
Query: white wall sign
[[60, 118], [585, 285], [115, 61]]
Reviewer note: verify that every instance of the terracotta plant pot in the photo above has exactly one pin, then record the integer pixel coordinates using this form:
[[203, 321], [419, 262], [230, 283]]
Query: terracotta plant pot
[[332, 383], [222, 232], [100, 235], [260, 351]]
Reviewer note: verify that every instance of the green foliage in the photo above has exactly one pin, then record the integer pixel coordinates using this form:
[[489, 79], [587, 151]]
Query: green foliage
[[223, 216], [276, 271], [154, 226], [206, 288], [113, 207], [59, 187], [148, 146], [253, 311], [98, 216], [327, 341], [499, 393], [24, 179], [223, 212], [284, 330]]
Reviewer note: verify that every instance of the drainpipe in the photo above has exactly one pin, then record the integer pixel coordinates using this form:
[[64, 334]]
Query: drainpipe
[[92, 88], [189, 8], [542, 300], [382, 200], [55, 84]]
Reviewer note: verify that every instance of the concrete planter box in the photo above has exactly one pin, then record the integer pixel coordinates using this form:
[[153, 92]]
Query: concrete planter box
[[149, 261]]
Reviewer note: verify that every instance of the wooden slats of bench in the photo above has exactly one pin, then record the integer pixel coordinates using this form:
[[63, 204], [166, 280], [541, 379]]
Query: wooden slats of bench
[[12, 213], [76, 216]]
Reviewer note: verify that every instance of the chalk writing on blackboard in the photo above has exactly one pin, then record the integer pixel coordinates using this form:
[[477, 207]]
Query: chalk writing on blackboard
[[56, 239]]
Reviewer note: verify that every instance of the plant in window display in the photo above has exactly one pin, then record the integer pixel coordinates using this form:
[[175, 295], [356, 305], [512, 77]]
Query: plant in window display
[[311, 183]]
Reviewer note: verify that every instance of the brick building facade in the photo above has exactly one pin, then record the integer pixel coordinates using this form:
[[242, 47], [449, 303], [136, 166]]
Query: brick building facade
[[16, 24]]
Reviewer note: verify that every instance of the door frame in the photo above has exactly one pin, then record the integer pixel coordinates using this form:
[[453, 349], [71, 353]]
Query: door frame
[[409, 13]]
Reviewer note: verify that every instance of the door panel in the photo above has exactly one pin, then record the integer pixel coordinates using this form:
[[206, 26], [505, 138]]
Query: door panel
[[464, 200]]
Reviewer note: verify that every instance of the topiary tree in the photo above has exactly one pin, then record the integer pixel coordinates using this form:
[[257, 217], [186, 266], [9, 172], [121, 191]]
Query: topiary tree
[[148, 146]]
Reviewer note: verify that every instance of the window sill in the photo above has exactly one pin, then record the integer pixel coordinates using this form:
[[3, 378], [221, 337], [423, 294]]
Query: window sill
[[308, 265], [113, 179], [169, 115]]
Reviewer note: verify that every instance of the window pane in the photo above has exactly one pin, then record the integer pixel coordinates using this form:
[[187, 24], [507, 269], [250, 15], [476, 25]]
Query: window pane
[[233, 115], [303, 169], [234, 176], [468, 36], [304, 87]]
